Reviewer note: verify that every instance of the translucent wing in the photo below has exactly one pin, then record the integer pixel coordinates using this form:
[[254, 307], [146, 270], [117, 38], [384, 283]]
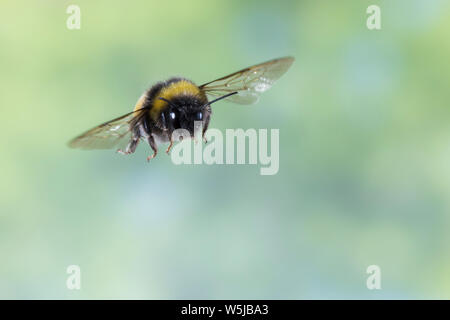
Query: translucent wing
[[114, 133], [249, 82]]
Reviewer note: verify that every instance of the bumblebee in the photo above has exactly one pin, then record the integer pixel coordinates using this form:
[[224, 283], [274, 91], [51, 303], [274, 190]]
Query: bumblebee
[[178, 103]]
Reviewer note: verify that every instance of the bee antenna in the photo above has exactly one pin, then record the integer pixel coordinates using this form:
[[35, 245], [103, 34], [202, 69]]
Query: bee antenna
[[168, 102], [220, 98]]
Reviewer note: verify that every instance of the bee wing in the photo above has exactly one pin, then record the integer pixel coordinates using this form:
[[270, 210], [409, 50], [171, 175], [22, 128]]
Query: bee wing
[[249, 82], [109, 134]]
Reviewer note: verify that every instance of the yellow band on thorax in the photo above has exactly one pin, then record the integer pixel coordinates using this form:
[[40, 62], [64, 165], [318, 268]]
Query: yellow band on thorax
[[171, 91]]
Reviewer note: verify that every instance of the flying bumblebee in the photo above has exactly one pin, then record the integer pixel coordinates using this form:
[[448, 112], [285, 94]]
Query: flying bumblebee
[[178, 103]]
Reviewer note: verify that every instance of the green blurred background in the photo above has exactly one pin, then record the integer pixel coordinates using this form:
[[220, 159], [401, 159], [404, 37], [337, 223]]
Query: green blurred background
[[364, 152]]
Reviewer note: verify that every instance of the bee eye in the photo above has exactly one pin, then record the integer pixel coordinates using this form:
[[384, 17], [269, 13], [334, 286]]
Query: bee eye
[[172, 115], [199, 115]]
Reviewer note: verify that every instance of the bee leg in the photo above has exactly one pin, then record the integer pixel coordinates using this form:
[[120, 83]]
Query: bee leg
[[152, 143], [170, 146], [130, 148]]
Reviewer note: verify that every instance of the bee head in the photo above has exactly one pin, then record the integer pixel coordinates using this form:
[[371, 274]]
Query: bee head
[[188, 112], [185, 113]]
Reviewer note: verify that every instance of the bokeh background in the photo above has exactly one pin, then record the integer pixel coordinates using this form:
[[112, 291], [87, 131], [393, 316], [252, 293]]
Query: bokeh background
[[364, 152]]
